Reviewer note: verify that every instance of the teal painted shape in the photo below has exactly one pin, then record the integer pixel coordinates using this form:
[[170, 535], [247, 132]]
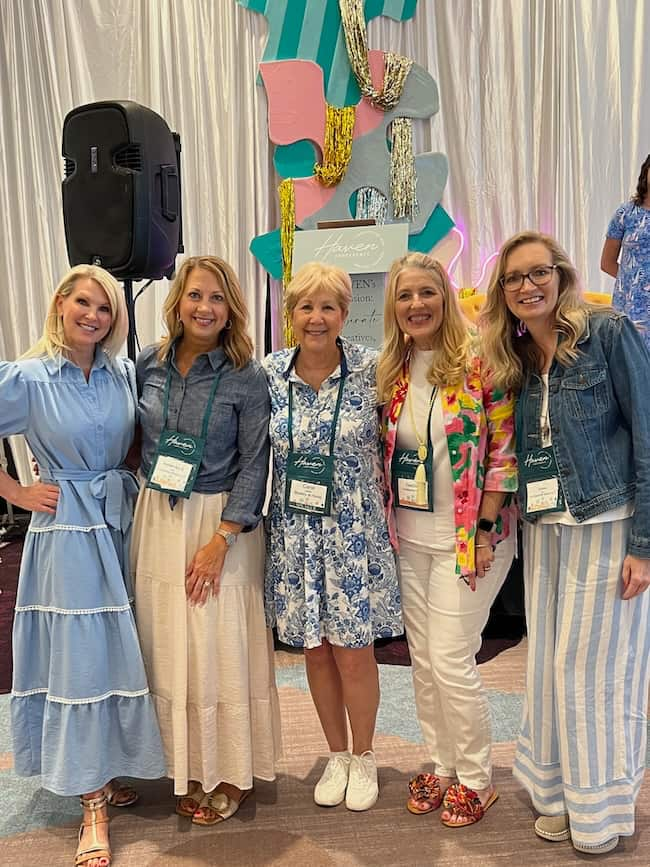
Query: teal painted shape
[[437, 226], [290, 39], [268, 252], [312, 30], [295, 160]]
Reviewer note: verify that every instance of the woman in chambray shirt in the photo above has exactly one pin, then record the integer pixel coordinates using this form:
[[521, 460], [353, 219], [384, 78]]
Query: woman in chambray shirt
[[198, 557], [583, 446]]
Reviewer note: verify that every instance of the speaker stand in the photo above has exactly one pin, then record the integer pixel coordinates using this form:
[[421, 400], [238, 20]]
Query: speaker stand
[[130, 339]]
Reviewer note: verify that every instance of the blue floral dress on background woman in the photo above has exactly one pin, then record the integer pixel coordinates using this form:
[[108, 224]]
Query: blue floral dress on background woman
[[631, 225], [330, 577]]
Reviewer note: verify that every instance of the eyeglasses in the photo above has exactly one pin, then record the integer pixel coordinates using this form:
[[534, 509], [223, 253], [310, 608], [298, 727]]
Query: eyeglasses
[[539, 276]]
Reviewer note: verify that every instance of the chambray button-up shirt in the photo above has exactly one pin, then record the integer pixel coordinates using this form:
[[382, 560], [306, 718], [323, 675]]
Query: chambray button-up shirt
[[236, 455]]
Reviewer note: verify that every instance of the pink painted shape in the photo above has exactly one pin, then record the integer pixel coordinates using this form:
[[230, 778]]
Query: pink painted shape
[[311, 196], [296, 110], [296, 104]]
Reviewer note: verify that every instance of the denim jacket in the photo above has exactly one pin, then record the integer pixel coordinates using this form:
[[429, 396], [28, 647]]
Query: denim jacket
[[599, 412]]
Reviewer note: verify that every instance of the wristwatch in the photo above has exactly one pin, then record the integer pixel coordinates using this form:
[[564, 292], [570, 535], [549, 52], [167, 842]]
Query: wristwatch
[[230, 538], [485, 525]]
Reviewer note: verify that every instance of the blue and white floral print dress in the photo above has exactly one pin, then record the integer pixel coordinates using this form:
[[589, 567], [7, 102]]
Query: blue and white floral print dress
[[330, 577], [81, 711], [631, 226]]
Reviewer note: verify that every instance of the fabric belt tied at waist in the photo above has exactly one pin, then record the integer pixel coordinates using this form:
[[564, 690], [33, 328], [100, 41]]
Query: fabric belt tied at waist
[[115, 487]]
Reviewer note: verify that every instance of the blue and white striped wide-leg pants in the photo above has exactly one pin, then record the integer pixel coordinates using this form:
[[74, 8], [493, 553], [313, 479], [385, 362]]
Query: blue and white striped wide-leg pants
[[582, 746]]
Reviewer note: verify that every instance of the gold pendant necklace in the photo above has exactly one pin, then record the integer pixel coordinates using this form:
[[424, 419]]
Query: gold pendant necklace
[[420, 477]]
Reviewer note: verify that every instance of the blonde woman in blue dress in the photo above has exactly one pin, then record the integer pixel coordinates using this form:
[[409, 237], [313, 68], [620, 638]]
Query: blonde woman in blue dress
[[80, 708]]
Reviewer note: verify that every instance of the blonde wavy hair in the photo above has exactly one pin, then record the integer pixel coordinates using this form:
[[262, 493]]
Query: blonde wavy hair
[[235, 341], [314, 276], [510, 356], [52, 341], [451, 351]]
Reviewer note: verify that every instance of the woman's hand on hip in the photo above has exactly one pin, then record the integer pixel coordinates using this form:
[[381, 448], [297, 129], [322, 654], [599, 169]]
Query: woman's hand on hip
[[39, 497], [204, 572], [636, 576]]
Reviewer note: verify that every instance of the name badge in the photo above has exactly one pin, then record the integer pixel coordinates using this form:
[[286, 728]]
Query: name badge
[[409, 492], [176, 463], [542, 489], [308, 488]]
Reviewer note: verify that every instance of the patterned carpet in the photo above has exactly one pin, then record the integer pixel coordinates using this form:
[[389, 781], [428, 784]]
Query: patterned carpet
[[282, 827]]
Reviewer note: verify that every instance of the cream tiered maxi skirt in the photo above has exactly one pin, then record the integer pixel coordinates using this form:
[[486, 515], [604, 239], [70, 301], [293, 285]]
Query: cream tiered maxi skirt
[[210, 668]]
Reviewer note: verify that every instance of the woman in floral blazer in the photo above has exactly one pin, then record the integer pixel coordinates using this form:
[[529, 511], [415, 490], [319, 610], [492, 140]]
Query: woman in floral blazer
[[450, 468]]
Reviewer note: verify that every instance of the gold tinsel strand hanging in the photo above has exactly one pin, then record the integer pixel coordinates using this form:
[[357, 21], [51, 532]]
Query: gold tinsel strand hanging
[[396, 67], [337, 150], [287, 197], [403, 181]]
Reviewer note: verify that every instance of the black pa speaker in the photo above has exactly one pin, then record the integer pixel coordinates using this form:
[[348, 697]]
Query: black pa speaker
[[122, 190]]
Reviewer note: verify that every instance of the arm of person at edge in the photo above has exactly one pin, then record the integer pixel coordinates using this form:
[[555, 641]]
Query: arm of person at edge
[[203, 574], [629, 368], [14, 395], [609, 256], [500, 469]]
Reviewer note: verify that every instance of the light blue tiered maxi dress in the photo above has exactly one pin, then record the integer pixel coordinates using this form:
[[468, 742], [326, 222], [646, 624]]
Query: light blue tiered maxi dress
[[80, 708]]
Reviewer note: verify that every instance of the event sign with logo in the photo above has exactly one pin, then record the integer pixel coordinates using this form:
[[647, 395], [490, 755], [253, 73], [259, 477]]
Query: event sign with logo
[[366, 253]]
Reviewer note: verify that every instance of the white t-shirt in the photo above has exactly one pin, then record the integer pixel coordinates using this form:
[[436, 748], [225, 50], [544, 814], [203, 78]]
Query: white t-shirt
[[431, 530]]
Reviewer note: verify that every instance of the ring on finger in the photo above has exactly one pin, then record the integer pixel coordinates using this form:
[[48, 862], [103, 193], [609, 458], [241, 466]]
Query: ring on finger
[[206, 584]]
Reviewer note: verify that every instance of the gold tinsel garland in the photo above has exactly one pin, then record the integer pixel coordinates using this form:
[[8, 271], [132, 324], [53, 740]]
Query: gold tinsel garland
[[403, 180], [337, 150], [396, 67], [287, 197]]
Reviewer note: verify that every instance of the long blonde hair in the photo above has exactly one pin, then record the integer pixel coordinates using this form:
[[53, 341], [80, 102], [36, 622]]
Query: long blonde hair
[[450, 356], [52, 341], [510, 356], [235, 341]]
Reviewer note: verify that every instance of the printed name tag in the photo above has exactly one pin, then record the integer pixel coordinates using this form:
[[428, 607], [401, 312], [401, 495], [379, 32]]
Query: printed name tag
[[170, 472], [409, 493], [541, 479], [309, 483], [176, 463]]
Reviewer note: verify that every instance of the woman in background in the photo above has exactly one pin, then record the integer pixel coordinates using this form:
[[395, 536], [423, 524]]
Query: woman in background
[[331, 586], [198, 548], [450, 467], [80, 708], [628, 235], [583, 438]]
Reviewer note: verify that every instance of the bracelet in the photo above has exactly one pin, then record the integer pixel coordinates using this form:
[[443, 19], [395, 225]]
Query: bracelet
[[484, 546]]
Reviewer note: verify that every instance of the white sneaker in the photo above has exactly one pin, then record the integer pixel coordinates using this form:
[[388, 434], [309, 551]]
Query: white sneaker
[[330, 789], [363, 789]]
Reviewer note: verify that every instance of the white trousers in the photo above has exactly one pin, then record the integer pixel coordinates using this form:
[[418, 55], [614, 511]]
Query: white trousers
[[444, 620]]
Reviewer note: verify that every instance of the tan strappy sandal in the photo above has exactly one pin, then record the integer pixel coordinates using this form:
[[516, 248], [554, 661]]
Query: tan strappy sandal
[[93, 846]]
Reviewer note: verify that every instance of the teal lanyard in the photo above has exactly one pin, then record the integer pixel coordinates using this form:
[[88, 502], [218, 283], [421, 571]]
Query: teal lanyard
[[208, 411], [335, 417]]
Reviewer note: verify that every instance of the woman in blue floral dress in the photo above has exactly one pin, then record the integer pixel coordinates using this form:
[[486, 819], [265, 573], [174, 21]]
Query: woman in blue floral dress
[[629, 234], [331, 584]]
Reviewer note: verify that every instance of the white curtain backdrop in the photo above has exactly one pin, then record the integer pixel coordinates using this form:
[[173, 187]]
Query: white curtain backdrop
[[544, 117]]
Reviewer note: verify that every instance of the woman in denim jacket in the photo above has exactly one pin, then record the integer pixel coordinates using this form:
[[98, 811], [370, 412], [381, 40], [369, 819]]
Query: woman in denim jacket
[[583, 447]]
